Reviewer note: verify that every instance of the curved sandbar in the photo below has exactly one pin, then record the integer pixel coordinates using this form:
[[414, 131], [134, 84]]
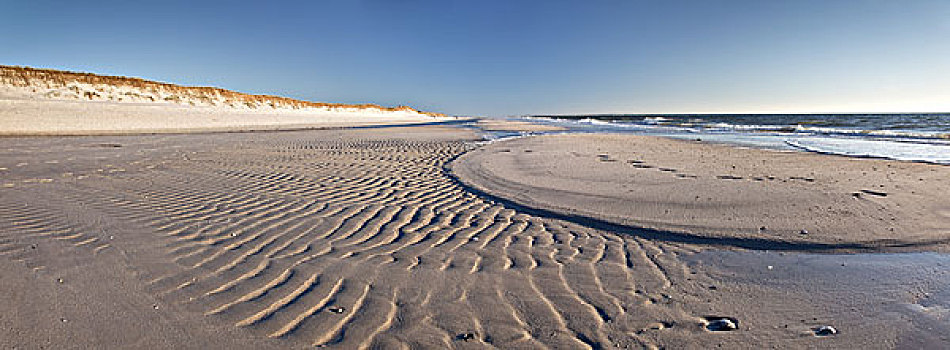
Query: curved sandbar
[[702, 190]]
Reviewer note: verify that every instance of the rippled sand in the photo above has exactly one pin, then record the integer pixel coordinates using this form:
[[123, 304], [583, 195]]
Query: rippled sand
[[344, 238]]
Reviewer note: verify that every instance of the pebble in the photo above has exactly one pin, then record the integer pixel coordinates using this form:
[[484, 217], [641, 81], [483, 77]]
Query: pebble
[[337, 309], [721, 324], [824, 331], [466, 336], [875, 193], [803, 232]]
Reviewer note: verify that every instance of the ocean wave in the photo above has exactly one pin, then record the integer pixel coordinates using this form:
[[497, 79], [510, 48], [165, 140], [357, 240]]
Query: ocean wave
[[929, 145], [885, 133], [656, 120], [751, 127], [797, 129], [888, 149], [598, 122], [694, 125]]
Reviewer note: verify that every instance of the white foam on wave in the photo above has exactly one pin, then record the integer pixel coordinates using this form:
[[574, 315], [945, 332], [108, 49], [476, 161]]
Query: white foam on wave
[[654, 120], [920, 152], [628, 126], [886, 133], [599, 122], [750, 127]]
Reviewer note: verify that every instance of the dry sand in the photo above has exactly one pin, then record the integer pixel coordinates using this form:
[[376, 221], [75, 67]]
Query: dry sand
[[351, 239], [63, 117], [692, 191]]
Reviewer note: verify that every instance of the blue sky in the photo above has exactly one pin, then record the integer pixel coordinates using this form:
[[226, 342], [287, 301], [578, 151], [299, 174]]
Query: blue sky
[[512, 57]]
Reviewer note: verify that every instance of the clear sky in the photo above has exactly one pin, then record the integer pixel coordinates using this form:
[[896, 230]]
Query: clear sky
[[510, 57]]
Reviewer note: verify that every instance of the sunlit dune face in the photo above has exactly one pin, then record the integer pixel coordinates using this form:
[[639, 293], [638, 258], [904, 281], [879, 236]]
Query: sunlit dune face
[[49, 78]]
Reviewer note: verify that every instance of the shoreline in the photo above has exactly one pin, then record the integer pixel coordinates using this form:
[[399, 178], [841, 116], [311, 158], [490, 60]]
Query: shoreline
[[876, 140]]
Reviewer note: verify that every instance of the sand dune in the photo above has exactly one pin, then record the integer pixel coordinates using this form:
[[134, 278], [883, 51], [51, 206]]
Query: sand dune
[[340, 238], [52, 102]]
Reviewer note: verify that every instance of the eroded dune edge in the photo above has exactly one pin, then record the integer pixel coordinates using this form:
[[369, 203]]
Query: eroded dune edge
[[342, 238]]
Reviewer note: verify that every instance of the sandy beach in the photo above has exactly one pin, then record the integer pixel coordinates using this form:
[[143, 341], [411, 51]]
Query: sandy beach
[[26, 117], [721, 194], [475, 175], [366, 238]]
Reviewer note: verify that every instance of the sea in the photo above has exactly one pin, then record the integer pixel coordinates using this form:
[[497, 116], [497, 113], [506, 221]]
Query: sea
[[912, 137]]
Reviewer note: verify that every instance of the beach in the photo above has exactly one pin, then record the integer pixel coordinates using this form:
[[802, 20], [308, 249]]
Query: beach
[[475, 175], [378, 237], [25, 117], [716, 193]]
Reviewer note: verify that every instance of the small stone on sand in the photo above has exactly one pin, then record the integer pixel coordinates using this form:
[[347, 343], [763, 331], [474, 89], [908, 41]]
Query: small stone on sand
[[875, 193], [721, 324], [824, 331], [337, 309]]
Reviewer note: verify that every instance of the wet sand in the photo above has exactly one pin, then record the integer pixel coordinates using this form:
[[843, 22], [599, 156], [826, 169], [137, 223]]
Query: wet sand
[[349, 238], [514, 126], [904, 294]]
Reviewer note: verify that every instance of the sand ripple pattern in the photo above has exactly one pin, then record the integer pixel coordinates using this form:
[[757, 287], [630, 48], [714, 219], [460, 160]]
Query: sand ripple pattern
[[368, 244]]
